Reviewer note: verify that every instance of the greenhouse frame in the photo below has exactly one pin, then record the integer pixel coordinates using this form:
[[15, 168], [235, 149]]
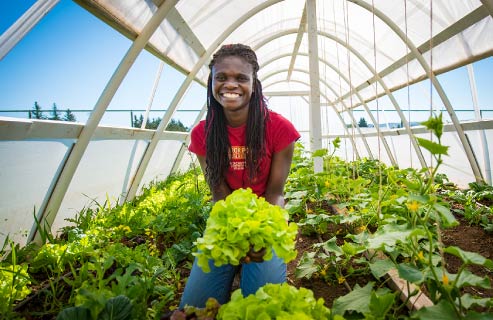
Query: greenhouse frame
[[357, 78]]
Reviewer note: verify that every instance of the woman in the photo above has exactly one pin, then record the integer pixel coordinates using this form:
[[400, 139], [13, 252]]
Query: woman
[[240, 144]]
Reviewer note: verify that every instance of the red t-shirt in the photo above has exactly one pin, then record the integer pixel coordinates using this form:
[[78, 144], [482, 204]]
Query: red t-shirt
[[279, 134]]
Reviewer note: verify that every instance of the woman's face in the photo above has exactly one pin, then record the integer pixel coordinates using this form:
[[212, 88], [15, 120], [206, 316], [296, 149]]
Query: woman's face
[[232, 83]]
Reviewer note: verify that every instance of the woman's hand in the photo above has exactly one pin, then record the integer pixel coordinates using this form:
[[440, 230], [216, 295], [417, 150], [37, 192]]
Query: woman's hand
[[254, 256]]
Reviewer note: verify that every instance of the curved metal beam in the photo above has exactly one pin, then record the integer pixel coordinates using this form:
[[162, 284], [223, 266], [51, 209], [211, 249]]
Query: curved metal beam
[[438, 87], [48, 214], [367, 109], [333, 106], [24, 24], [405, 123], [353, 143], [488, 4]]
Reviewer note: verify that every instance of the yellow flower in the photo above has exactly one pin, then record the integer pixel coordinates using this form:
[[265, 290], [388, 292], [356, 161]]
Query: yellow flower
[[360, 229], [445, 279], [421, 257], [84, 242], [327, 183], [413, 206], [308, 210], [341, 279], [351, 209]]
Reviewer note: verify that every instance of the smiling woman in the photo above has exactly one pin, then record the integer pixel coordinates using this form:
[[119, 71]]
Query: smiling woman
[[241, 144], [232, 88]]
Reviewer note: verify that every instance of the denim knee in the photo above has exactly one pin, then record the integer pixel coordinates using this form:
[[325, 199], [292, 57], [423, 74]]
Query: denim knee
[[255, 275], [201, 286]]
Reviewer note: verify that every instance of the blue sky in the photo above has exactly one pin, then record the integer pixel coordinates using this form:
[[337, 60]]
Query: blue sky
[[68, 58], [70, 55]]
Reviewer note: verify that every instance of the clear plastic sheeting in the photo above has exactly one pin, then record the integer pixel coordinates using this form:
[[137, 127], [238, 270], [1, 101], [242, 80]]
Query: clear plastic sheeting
[[459, 32], [103, 174], [161, 164], [34, 153], [27, 174]]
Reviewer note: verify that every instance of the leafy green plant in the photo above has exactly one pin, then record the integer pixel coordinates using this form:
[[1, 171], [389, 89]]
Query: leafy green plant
[[14, 282], [275, 301], [241, 222], [367, 302], [412, 239], [116, 308]]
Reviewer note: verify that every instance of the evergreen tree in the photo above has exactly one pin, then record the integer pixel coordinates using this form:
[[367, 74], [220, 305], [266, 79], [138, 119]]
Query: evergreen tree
[[54, 113], [36, 113], [176, 125], [137, 122], [153, 124], [69, 116], [173, 125], [362, 123]]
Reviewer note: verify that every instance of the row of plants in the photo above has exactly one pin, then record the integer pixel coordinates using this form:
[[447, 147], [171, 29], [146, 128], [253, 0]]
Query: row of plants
[[130, 261], [124, 260], [361, 209]]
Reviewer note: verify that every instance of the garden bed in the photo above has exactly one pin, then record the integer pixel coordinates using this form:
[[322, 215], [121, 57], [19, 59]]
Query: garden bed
[[468, 237]]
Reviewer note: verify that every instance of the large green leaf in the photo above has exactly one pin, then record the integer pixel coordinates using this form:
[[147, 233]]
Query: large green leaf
[[306, 267], [380, 267], [410, 273], [381, 305], [469, 257], [433, 147], [74, 313], [330, 246], [357, 300], [441, 311], [468, 301], [448, 218], [468, 279], [388, 235], [117, 308]]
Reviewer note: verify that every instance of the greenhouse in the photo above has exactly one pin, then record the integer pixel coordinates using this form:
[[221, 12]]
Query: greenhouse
[[379, 159]]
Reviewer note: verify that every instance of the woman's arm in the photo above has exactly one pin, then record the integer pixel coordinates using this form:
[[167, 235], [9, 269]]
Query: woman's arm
[[222, 191], [279, 171]]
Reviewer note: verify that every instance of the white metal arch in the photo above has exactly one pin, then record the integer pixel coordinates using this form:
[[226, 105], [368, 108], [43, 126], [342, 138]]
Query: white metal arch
[[380, 81], [333, 106], [47, 213], [343, 76], [438, 87], [335, 109]]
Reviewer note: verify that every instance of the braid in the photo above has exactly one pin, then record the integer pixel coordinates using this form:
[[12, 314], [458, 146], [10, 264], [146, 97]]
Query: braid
[[217, 141]]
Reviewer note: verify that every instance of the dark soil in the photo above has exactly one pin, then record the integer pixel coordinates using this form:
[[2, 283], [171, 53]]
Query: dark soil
[[467, 237], [321, 289], [473, 239]]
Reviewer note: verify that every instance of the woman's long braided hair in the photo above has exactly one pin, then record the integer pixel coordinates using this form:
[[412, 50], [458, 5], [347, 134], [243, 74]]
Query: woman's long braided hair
[[217, 141]]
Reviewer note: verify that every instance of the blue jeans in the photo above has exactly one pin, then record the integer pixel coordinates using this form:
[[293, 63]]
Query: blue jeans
[[217, 283]]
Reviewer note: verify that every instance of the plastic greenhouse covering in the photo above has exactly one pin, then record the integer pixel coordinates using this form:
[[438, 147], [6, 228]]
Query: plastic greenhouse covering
[[326, 65]]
